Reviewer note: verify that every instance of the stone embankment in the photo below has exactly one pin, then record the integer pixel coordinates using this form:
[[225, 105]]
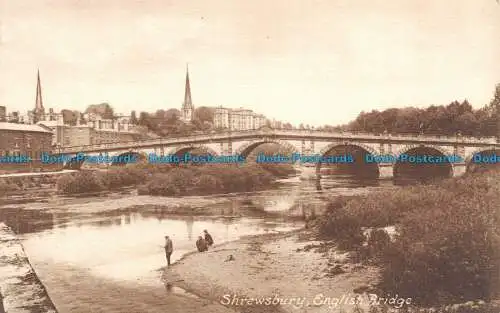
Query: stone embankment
[[21, 290]]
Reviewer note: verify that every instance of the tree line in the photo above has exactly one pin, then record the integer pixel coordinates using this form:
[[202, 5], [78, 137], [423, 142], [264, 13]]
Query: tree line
[[454, 118]]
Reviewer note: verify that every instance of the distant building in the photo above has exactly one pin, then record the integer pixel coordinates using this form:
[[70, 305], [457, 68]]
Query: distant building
[[59, 130], [93, 130], [3, 114], [187, 110], [238, 119], [23, 140]]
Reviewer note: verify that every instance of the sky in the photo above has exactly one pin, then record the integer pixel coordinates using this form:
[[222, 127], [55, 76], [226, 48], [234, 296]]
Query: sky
[[314, 62]]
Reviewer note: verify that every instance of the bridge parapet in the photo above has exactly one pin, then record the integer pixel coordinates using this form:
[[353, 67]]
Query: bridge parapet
[[277, 134]]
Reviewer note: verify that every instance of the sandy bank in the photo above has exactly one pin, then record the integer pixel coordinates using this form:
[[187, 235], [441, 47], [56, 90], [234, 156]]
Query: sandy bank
[[20, 288], [272, 266]]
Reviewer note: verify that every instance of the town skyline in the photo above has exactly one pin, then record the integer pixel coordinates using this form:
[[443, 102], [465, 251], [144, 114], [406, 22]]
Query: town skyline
[[287, 67]]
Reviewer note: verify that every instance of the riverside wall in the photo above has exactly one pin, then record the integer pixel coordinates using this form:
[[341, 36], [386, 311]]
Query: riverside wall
[[20, 289]]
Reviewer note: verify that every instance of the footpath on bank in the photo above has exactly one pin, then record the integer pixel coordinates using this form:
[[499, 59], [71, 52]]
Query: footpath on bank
[[20, 288]]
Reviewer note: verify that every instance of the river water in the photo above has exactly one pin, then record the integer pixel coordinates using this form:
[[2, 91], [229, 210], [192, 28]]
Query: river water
[[104, 253]]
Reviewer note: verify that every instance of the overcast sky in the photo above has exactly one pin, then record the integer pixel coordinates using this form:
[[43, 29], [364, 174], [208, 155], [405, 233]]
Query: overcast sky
[[311, 61]]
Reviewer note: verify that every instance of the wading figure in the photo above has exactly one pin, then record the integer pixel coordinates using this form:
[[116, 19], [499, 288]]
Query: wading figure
[[208, 238], [201, 244], [168, 249]]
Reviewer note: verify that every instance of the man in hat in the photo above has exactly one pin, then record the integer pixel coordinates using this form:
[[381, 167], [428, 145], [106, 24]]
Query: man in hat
[[168, 249]]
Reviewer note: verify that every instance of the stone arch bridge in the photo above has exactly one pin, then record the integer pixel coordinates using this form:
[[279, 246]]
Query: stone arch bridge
[[304, 142]]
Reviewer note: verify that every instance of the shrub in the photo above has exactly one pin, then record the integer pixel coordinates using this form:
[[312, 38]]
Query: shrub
[[376, 245], [448, 245], [208, 179], [83, 181]]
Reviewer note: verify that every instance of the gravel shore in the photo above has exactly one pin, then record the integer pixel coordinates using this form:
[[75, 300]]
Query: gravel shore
[[281, 267]]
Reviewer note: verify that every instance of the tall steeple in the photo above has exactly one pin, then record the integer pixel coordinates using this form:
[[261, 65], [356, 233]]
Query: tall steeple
[[187, 105], [39, 100], [187, 93], [39, 111]]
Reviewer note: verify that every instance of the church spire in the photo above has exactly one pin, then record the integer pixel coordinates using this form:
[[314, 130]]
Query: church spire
[[187, 110], [187, 93], [39, 101]]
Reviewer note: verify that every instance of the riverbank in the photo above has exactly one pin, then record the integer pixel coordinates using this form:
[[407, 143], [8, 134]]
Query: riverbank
[[21, 290], [290, 267], [447, 247]]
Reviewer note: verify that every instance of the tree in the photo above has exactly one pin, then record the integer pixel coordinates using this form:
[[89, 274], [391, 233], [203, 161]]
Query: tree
[[467, 124], [70, 117], [14, 118], [133, 118], [204, 114], [172, 115], [102, 109], [495, 108]]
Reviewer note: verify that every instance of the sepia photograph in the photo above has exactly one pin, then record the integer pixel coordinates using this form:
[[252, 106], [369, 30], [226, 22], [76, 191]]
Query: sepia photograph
[[231, 156]]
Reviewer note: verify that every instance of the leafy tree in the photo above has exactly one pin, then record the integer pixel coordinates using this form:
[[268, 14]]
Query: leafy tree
[[133, 118], [444, 120], [102, 109], [173, 115], [70, 117], [204, 114], [495, 109]]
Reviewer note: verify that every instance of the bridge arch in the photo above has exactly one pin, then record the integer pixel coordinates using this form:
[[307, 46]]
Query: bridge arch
[[422, 171], [473, 164], [185, 149], [405, 148], [247, 148], [332, 146], [358, 167]]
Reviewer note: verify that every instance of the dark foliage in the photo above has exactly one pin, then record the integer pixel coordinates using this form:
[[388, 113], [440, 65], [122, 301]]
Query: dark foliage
[[448, 245]]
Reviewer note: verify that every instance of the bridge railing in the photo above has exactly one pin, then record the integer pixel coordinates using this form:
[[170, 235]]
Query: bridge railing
[[273, 132]]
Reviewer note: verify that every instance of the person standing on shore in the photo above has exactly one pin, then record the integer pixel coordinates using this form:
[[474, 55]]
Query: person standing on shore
[[169, 248], [208, 238], [201, 244]]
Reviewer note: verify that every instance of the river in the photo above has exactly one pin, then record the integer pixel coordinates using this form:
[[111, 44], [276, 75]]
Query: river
[[103, 253]]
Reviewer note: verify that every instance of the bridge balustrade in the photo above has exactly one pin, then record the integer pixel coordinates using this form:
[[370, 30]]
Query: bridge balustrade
[[257, 133]]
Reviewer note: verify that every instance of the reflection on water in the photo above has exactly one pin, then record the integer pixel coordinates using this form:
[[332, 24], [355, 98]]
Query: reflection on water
[[26, 221], [128, 247]]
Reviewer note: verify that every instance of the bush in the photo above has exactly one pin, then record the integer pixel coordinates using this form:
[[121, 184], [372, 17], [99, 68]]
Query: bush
[[448, 245], [378, 242], [208, 179], [168, 180], [81, 182]]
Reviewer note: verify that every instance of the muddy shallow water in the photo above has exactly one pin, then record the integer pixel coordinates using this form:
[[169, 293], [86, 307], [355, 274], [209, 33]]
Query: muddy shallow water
[[95, 255]]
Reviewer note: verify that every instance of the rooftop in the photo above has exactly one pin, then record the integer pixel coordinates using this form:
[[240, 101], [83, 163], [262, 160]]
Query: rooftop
[[51, 123], [23, 127]]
